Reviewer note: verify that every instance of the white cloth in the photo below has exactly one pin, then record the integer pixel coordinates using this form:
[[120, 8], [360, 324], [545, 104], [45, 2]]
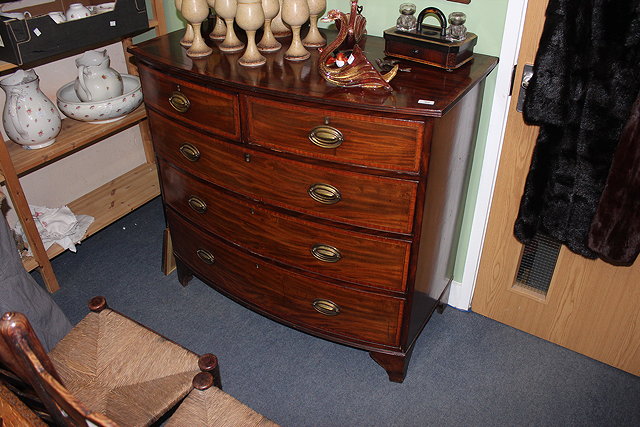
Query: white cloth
[[58, 225]]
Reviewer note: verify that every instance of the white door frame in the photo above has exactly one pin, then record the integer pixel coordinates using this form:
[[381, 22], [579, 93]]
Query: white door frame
[[460, 294]]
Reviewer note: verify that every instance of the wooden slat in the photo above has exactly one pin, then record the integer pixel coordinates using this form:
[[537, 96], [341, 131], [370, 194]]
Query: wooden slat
[[159, 18], [111, 202], [23, 212], [73, 136], [168, 260], [7, 66]]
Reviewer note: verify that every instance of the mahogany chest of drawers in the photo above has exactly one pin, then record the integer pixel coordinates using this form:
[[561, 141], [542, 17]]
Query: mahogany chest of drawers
[[332, 211]]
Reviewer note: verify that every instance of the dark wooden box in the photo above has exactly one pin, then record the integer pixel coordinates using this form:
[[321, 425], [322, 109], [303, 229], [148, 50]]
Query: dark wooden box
[[439, 53], [37, 38]]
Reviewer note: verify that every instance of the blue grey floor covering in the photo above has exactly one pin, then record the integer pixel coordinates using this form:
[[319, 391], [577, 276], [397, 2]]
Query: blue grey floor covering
[[465, 370]]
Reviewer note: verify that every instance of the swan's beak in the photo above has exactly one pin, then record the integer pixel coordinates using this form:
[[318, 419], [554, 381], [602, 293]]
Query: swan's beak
[[326, 19]]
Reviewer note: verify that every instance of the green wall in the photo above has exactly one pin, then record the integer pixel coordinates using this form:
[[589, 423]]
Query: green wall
[[485, 18]]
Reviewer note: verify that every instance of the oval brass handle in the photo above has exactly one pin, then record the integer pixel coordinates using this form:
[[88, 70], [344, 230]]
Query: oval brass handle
[[326, 253], [190, 152], [325, 136], [324, 193], [179, 101], [197, 204], [206, 256], [326, 307]]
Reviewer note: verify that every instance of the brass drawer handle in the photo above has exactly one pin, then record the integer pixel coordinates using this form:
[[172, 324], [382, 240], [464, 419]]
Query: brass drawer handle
[[190, 152], [326, 253], [326, 307], [197, 204], [179, 101], [325, 194], [325, 136], [206, 256]]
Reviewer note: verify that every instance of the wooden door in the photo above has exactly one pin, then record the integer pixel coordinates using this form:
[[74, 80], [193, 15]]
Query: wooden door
[[590, 307]]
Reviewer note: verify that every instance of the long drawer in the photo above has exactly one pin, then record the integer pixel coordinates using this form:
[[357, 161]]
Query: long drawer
[[210, 109], [326, 134], [329, 251], [312, 304], [353, 198]]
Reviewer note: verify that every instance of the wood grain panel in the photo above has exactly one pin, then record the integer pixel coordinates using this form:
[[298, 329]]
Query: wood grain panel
[[288, 239], [368, 201], [591, 306], [368, 140], [288, 79], [286, 295], [212, 110], [14, 413]]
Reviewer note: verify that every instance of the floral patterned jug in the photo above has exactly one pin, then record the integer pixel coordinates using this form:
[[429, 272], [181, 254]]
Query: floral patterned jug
[[96, 81], [29, 117]]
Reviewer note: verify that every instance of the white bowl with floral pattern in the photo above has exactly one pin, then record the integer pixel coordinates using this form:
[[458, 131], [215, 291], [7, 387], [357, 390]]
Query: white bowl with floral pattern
[[105, 111]]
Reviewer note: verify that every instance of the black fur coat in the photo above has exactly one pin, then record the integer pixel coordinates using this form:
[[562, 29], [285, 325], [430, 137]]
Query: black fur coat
[[586, 79]]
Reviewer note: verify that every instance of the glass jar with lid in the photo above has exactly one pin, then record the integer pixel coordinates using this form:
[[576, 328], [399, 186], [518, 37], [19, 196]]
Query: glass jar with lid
[[407, 21]]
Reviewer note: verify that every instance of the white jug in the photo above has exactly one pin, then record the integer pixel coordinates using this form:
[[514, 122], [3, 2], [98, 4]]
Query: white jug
[[29, 117], [96, 81]]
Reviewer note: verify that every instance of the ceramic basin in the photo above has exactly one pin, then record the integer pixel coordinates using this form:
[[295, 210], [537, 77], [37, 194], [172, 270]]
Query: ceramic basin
[[105, 111]]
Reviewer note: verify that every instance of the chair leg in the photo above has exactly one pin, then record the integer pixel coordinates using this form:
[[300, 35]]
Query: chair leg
[[209, 363]]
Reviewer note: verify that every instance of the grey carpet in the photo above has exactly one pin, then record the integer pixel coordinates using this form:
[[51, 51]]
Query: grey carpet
[[465, 370]]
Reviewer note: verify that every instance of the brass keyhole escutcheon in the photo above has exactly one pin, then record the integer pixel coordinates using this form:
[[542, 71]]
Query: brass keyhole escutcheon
[[179, 101], [326, 307], [325, 136], [190, 152], [324, 193], [326, 253], [206, 256], [197, 204]]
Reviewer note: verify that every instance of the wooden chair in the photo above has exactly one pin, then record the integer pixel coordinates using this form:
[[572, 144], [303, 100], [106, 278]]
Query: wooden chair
[[108, 370]]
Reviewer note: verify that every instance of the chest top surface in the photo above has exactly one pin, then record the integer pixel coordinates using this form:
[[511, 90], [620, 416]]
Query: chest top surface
[[424, 91]]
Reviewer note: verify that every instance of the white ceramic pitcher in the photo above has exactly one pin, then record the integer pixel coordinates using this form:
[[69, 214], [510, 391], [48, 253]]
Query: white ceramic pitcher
[[96, 80], [29, 117]]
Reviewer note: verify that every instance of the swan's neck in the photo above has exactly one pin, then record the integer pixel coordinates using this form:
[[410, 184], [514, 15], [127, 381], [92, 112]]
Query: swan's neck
[[342, 34]]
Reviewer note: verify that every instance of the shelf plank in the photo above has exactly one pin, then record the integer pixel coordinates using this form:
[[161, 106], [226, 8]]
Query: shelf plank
[[74, 136], [7, 66], [111, 202]]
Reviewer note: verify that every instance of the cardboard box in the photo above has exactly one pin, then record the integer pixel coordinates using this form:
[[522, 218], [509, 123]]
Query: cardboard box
[[39, 37]]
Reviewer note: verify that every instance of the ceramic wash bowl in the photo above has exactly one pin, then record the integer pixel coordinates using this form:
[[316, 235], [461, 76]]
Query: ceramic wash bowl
[[105, 111]]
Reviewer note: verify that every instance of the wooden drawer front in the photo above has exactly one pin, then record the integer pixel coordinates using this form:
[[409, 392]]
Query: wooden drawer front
[[209, 109], [364, 200], [339, 254], [365, 140], [286, 295]]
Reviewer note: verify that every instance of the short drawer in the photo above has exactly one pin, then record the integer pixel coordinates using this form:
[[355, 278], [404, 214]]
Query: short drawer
[[332, 252], [357, 139], [312, 304], [353, 198], [212, 110]]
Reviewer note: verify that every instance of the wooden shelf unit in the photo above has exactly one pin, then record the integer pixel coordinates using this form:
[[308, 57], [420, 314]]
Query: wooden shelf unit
[[106, 203], [110, 202], [74, 136]]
